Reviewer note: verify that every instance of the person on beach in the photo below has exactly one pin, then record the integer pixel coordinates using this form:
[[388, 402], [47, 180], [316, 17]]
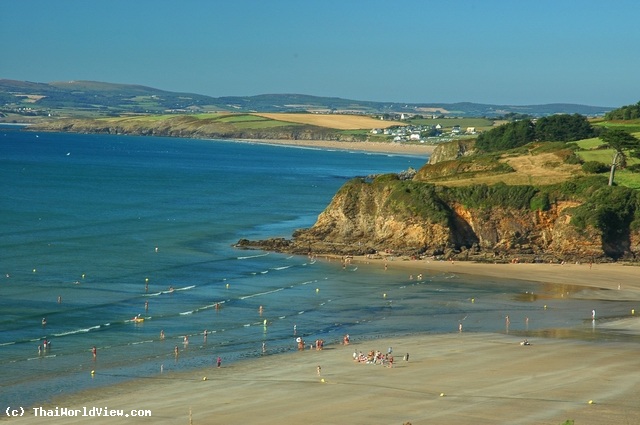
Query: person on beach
[[205, 335], [219, 361], [44, 321], [161, 333], [176, 351], [94, 351], [319, 369]]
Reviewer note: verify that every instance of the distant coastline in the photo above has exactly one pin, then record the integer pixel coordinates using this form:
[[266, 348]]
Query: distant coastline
[[374, 147]]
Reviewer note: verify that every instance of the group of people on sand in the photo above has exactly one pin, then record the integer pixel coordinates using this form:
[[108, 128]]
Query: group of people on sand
[[376, 357]]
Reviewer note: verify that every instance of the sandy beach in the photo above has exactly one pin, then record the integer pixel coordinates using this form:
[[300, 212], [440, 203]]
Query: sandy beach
[[376, 147], [455, 378]]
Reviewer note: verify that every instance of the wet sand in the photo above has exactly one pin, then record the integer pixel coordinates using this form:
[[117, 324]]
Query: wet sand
[[456, 378]]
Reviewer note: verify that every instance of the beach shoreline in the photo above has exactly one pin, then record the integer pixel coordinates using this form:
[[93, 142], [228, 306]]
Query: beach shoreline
[[450, 378], [391, 148]]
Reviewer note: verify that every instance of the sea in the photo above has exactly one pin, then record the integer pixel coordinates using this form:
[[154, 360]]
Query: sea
[[98, 229]]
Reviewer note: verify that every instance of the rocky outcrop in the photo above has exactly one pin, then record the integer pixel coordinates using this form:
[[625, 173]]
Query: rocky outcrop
[[452, 150], [370, 217]]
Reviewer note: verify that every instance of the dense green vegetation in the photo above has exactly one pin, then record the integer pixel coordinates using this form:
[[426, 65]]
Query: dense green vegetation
[[562, 128], [629, 112]]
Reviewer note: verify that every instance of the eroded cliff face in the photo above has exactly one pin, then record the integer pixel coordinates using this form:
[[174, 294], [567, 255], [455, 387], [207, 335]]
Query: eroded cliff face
[[452, 150], [366, 218]]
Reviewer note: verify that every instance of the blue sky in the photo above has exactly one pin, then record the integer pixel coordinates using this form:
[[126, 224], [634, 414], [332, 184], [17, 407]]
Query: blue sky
[[502, 52]]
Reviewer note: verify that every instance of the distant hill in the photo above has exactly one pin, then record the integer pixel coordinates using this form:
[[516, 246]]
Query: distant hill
[[91, 98]]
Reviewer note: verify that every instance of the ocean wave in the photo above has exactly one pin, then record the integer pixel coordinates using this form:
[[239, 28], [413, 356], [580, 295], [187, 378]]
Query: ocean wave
[[140, 342], [261, 293], [252, 256], [77, 331], [281, 268]]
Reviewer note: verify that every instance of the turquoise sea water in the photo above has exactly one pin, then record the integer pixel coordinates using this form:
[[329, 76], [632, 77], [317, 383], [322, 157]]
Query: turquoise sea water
[[96, 229]]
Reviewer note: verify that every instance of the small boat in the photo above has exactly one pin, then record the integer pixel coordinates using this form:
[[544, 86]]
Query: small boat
[[137, 319]]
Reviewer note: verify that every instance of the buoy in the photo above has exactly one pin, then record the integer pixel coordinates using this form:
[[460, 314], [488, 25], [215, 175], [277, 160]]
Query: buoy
[[633, 311], [93, 372], [146, 279], [473, 300], [441, 394], [317, 289], [227, 285], [590, 401], [34, 270], [322, 380], [204, 378], [384, 295], [545, 306], [83, 275]]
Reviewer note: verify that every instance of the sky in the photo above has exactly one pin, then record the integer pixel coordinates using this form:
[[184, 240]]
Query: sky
[[510, 52]]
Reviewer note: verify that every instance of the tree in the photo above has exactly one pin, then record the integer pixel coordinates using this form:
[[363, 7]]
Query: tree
[[621, 142], [563, 128]]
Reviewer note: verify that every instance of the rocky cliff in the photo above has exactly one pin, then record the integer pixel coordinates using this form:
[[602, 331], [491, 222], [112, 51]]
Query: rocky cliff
[[418, 219], [453, 150]]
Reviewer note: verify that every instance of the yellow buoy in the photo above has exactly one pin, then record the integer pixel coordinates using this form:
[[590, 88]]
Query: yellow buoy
[[317, 289], [441, 394], [322, 380], [204, 378], [590, 401], [34, 270]]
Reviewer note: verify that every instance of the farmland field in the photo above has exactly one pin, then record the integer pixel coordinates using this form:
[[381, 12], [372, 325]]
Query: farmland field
[[335, 121]]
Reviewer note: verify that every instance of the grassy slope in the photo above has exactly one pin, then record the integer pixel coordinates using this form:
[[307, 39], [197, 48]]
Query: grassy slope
[[543, 168]]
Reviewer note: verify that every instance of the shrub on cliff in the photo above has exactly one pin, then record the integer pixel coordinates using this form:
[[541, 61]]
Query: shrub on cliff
[[594, 167]]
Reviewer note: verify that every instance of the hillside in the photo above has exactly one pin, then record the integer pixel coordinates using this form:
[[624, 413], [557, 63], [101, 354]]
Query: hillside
[[532, 203], [351, 128], [22, 101]]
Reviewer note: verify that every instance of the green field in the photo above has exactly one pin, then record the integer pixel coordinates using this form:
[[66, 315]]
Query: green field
[[590, 151]]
